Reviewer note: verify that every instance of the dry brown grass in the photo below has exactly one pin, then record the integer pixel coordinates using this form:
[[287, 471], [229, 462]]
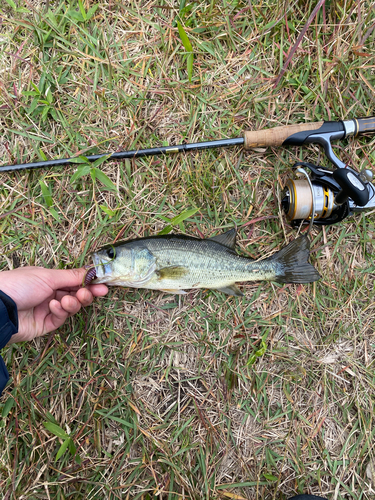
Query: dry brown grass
[[160, 394]]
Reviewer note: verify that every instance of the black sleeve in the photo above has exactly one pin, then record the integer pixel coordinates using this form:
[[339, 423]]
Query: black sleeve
[[8, 327]]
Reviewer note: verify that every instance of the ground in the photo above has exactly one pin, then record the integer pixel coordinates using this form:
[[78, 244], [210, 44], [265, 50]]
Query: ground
[[202, 396]]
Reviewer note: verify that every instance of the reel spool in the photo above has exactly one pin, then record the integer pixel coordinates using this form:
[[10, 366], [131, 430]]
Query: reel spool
[[316, 193], [298, 200]]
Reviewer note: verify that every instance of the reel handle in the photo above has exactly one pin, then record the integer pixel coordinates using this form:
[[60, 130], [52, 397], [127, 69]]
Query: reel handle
[[352, 186]]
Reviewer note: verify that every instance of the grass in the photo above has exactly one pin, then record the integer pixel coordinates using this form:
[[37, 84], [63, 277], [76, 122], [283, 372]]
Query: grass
[[203, 396]]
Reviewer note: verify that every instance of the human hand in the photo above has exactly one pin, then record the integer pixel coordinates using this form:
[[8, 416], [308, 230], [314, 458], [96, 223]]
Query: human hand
[[45, 298]]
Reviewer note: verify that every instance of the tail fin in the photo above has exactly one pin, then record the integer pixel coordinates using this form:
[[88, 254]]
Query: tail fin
[[294, 267]]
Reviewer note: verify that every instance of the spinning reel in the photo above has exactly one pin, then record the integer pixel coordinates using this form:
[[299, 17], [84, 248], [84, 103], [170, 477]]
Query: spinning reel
[[327, 197]]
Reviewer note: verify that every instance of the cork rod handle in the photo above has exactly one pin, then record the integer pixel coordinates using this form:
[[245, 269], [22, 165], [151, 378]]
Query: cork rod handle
[[277, 135]]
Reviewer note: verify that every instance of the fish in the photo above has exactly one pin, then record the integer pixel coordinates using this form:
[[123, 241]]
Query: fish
[[175, 263]]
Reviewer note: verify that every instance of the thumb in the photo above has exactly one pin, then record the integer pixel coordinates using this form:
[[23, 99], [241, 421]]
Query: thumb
[[65, 278]]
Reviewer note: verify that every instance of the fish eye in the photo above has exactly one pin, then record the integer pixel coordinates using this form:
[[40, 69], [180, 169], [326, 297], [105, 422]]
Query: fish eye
[[111, 253]]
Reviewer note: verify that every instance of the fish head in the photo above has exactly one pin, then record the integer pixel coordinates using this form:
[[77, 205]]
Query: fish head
[[123, 265]]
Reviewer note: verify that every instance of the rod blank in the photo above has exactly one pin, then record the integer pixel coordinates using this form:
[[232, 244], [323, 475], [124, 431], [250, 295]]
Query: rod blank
[[121, 155]]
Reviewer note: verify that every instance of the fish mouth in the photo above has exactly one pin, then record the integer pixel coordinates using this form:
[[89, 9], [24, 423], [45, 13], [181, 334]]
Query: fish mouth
[[104, 271], [102, 268], [101, 271], [96, 272]]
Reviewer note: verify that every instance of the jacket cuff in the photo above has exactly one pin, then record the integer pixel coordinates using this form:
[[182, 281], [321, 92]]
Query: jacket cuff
[[9, 319], [4, 375]]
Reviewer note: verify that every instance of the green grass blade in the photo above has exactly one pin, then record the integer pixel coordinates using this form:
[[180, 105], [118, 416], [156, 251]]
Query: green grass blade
[[62, 449], [184, 38], [46, 193], [56, 430], [81, 171], [104, 179], [188, 47], [183, 216]]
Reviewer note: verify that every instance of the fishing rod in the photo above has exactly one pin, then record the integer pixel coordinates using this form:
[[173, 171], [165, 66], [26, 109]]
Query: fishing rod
[[323, 196]]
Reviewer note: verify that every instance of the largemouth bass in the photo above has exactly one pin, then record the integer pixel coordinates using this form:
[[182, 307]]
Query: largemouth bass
[[175, 263]]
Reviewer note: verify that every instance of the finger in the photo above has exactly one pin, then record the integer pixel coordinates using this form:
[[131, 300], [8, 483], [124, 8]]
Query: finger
[[71, 280], [56, 318], [84, 296], [65, 278], [70, 304], [61, 293], [98, 290], [69, 288]]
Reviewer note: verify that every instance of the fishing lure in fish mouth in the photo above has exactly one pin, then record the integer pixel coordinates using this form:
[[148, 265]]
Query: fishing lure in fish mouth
[[175, 263], [90, 275]]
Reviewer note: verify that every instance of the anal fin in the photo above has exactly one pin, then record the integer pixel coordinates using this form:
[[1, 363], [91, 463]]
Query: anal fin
[[231, 290], [171, 290]]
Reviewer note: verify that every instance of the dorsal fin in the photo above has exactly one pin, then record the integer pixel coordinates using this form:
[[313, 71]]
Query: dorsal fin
[[228, 239]]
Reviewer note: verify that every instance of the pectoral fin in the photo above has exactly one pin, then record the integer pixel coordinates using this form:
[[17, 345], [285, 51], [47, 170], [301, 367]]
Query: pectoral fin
[[172, 273], [178, 292], [231, 290]]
